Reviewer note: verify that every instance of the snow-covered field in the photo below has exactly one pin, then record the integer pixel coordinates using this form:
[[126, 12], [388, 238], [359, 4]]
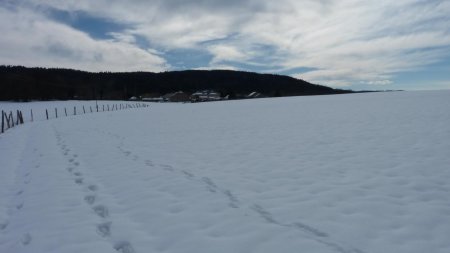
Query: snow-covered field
[[340, 174]]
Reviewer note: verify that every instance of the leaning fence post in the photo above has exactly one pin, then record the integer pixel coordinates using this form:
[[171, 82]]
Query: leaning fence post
[[17, 117], [7, 121], [46, 113], [11, 116], [56, 112], [65, 111], [84, 111]]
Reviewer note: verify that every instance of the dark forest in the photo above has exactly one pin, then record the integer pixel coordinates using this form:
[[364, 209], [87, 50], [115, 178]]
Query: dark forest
[[25, 84]]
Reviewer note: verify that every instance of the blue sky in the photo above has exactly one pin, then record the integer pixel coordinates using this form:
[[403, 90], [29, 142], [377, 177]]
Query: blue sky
[[360, 45]]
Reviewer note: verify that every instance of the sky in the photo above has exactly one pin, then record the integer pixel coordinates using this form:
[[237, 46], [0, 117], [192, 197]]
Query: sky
[[358, 45]]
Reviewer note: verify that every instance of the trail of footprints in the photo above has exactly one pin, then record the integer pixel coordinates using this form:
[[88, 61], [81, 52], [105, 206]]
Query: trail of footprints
[[22, 179], [104, 228], [310, 232]]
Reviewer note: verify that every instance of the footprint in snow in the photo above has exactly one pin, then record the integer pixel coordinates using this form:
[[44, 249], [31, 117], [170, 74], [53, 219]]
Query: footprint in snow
[[76, 163], [79, 180], [71, 160], [26, 239], [234, 202], [212, 187], [90, 199], [19, 206], [101, 211], [3, 225], [187, 174], [69, 169], [19, 192], [309, 229], [104, 229], [93, 187], [124, 247], [77, 174]]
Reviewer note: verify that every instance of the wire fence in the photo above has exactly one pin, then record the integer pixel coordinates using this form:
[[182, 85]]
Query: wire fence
[[13, 118]]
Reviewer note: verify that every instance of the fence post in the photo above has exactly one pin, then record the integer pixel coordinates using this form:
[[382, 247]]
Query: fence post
[[74, 110], [11, 117], [20, 117], [46, 113], [65, 111], [7, 121], [103, 107], [90, 108], [32, 115], [3, 122], [56, 112], [108, 107], [84, 111]]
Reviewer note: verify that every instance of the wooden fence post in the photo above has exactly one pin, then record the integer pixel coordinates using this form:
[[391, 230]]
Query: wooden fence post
[[56, 112], [74, 110], [46, 113], [21, 117], [65, 111], [90, 108], [32, 115], [108, 107], [3, 121], [84, 111], [11, 117], [103, 107]]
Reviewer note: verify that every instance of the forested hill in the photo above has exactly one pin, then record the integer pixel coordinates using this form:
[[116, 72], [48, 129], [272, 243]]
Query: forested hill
[[21, 83]]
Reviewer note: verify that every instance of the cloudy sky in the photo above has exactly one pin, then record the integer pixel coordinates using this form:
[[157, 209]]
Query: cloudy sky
[[364, 44]]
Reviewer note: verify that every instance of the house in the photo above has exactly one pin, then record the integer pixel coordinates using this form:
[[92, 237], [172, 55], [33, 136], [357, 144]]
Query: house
[[254, 94], [205, 95], [178, 96], [152, 97]]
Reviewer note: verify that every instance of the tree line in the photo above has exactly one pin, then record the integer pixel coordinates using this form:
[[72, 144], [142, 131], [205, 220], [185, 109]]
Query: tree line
[[23, 84]]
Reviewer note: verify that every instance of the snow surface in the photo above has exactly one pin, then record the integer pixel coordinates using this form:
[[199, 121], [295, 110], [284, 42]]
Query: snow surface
[[344, 173]]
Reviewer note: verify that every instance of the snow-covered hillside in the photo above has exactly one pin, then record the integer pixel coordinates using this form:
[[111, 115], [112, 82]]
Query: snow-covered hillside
[[333, 174]]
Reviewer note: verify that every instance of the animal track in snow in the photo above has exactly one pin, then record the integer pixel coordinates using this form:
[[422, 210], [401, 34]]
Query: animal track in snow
[[77, 174], [19, 192], [69, 169], [19, 206]]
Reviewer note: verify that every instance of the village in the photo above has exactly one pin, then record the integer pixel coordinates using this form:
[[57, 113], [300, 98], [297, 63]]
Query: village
[[185, 97]]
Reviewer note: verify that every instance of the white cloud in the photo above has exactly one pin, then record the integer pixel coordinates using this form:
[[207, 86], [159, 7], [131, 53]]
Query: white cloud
[[33, 40], [346, 41]]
